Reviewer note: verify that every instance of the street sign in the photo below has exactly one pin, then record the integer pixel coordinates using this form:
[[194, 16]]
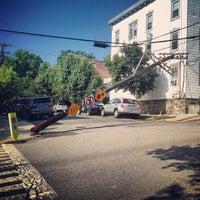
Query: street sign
[[73, 109], [100, 96], [89, 101], [14, 132]]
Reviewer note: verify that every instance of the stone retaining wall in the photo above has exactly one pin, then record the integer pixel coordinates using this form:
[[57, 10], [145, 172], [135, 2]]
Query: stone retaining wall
[[170, 106]]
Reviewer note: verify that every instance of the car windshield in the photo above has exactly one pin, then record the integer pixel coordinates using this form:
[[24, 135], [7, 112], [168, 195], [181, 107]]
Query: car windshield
[[21, 101], [61, 104], [131, 101], [41, 100], [97, 103]]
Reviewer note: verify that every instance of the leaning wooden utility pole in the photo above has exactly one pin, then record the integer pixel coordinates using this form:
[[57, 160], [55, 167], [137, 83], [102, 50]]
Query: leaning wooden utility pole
[[160, 62]]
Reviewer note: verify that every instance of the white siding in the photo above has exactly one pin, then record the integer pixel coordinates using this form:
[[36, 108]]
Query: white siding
[[193, 47], [187, 83]]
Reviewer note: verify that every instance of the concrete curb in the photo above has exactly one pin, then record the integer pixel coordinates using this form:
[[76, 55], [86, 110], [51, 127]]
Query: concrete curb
[[185, 118], [35, 185]]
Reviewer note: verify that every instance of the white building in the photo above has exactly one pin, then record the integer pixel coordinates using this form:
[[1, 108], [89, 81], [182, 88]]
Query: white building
[[167, 21]]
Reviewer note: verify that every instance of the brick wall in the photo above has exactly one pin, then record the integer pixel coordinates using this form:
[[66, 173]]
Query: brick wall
[[170, 106]]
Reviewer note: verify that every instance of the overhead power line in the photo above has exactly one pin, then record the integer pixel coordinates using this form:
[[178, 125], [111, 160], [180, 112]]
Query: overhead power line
[[51, 36], [178, 29], [97, 43], [184, 38]]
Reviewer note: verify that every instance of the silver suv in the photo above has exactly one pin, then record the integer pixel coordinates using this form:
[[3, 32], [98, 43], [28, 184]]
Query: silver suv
[[38, 107], [121, 106]]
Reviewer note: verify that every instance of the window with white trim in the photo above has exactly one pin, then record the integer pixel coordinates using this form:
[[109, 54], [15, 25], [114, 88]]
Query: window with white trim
[[175, 9], [132, 30], [175, 76], [149, 21], [174, 40], [117, 36]]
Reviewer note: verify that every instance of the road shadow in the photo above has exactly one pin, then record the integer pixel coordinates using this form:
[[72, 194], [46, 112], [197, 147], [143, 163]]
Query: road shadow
[[184, 158], [75, 131]]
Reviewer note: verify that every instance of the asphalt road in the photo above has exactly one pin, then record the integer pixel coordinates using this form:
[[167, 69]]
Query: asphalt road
[[90, 157]]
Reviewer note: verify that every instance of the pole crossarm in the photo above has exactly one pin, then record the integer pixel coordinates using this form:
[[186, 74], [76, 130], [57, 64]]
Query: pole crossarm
[[163, 65], [176, 55]]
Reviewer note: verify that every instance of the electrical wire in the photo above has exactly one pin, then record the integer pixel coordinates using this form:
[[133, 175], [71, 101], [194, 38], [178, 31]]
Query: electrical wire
[[94, 41], [178, 29], [51, 36]]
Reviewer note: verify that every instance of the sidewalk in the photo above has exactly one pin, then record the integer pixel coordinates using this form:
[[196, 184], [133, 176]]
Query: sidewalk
[[23, 126]]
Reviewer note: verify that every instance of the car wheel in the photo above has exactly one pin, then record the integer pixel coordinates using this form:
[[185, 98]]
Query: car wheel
[[29, 117], [50, 115], [79, 112], [136, 116], [103, 113], [116, 113]]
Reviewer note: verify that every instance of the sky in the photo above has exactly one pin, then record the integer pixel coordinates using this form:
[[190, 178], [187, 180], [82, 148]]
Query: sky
[[84, 19]]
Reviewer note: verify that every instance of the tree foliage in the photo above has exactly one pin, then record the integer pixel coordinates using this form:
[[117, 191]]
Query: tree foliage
[[26, 64], [122, 66], [10, 85], [72, 78]]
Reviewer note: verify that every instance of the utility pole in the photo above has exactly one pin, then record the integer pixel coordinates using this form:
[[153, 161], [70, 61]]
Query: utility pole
[[2, 54]]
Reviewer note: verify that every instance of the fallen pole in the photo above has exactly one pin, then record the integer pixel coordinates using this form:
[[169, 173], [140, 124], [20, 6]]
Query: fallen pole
[[42, 125]]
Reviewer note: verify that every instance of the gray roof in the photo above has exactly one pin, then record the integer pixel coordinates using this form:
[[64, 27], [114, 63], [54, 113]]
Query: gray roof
[[130, 11]]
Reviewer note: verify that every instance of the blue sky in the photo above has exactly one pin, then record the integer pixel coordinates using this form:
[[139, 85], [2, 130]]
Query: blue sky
[[87, 19]]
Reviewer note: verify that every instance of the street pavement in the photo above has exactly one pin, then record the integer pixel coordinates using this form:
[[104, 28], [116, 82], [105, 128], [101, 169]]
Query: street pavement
[[19, 179]]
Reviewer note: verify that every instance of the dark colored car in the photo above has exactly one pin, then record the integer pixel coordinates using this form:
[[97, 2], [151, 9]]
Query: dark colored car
[[38, 107], [19, 106], [4, 108], [95, 109]]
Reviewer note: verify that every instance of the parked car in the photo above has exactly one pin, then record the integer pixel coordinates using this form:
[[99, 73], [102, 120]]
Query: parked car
[[95, 109], [38, 107], [58, 107], [121, 106], [3, 108], [83, 107], [19, 106]]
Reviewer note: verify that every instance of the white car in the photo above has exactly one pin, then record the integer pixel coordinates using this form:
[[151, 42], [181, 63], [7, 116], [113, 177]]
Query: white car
[[121, 106], [59, 107]]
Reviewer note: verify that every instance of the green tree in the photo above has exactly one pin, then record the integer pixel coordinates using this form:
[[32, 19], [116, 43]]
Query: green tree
[[83, 80], [10, 84], [26, 64], [45, 82], [76, 77], [124, 65]]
